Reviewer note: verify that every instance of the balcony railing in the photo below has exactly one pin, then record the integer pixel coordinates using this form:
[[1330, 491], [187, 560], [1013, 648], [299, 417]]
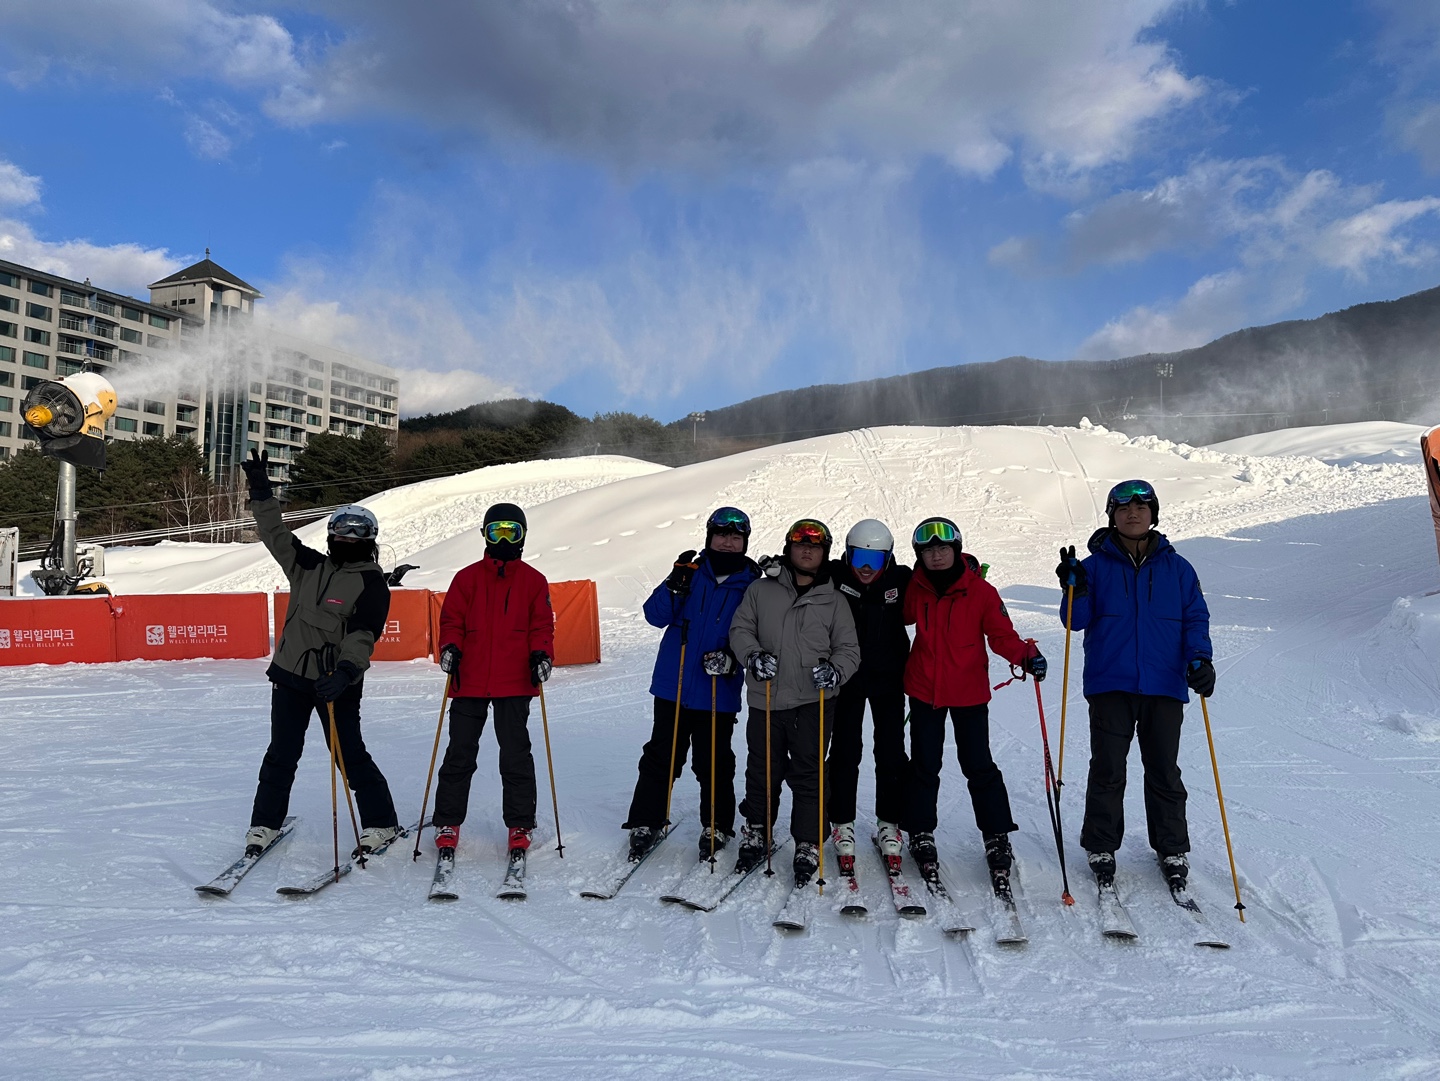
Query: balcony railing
[[86, 349], [69, 322], [73, 300]]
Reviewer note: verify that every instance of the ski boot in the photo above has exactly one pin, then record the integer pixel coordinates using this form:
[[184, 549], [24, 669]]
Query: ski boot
[[258, 839], [446, 838], [998, 853], [922, 849], [891, 846], [752, 847], [806, 862], [642, 839], [1103, 864], [519, 838], [720, 838], [1176, 869], [843, 838]]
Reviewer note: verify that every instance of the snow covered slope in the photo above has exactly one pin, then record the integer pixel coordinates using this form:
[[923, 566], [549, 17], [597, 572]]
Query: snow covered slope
[[1373, 442], [123, 786]]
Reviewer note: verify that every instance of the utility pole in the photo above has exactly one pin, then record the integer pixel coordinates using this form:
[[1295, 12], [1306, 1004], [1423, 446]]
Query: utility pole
[[695, 419], [1164, 371]]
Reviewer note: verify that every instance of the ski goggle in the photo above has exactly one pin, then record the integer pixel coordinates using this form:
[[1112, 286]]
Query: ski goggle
[[1127, 491], [729, 520], [809, 531], [497, 532], [352, 526], [867, 559], [934, 533]]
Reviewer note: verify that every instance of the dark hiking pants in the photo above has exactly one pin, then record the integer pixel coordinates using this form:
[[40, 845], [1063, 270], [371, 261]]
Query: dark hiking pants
[[1115, 717], [988, 796], [517, 767], [652, 787]]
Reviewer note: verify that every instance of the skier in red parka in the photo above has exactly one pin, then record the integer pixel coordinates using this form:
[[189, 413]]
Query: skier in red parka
[[955, 612], [497, 638]]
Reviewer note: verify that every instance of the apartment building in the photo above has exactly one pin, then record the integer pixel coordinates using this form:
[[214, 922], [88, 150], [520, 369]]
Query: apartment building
[[237, 386]]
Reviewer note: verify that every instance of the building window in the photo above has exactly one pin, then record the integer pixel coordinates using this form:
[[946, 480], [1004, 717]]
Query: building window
[[9, 279], [65, 367], [126, 424], [9, 304], [154, 430], [39, 337], [253, 426], [36, 360], [254, 407], [316, 384], [7, 379], [5, 428], [37, 311], [156, 342], [128, 335], [41, 289], [7, 354], [134, 314], [185, 413], [158, 408], [312, 420], [161, 321], [313, 402], [8, 329], [256, 388], [30, 382], [7, 405]]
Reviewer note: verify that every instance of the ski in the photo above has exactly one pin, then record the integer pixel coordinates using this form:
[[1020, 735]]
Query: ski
[[799, 906], [513, 888], [1114, 920], [622, 871], [1207, 933], [1009, 931], [228, 879], [952, 920], [327, 877], [851, 903], [703, 891], [441, 885], [907, 902]]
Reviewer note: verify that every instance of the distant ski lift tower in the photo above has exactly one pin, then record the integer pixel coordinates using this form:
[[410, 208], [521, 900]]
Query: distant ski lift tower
[[1164, 371], [695, 419]]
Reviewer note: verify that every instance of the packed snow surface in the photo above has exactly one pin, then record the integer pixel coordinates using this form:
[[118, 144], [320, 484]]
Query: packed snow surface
[[124, 786], [1374, 442]]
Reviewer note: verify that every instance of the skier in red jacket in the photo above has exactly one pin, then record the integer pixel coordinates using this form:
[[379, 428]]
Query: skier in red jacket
[[955, 612], [497, 637]]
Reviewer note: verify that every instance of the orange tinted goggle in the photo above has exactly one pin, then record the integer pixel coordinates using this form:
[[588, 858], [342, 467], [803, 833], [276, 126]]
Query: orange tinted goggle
[[809, 533]]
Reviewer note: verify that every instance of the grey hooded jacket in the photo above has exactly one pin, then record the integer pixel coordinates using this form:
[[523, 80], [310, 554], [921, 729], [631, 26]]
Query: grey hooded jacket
[[800, 630], [335, 609]]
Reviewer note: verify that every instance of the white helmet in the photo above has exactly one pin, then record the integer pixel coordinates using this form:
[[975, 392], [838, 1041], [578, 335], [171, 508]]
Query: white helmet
[[353, 523], [870, 534]]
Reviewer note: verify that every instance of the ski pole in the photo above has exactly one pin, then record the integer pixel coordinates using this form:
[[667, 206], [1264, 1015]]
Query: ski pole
[[1220, 796], [769, 793], [550, 764], [820, 882], [1052, 797], [339, 760], [434, 754], [712, 775], [675, 737], [1065, 688], [334, 798]]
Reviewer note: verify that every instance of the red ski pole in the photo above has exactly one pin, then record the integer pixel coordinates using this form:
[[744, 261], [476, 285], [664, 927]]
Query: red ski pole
[[1051, 792]]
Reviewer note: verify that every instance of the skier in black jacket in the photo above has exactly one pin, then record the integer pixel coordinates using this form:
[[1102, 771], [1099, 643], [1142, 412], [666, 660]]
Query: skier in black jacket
[[874, 584]]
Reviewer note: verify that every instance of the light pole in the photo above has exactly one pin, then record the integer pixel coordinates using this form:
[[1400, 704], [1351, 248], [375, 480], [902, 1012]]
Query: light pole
[[1164, 371], [695, 419]]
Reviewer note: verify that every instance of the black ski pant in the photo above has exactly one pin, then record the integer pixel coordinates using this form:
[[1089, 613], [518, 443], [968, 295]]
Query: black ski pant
[[517, 766], [652, 787], [1115, 717], [892, 765], [972, 746], [290, 712], [795, 758]]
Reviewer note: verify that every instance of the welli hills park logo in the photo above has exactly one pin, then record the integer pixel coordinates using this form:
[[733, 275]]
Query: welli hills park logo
[[40, 637], [160, 634]]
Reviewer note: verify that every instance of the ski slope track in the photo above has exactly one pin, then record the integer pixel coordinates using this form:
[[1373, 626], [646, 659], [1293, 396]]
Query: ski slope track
[[124, 786]]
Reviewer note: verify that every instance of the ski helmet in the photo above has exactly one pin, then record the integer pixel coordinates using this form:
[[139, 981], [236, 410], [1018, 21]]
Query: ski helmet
[[936, 531], [504, 529], [809, 531], [873, 541], [353, 523], [728, 520], [1129, 491]]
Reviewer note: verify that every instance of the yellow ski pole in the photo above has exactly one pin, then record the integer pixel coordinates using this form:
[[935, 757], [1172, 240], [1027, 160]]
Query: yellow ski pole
[[675, 737], [338, 759], [1220, 796], [769, 796], [434, 754], [550, 763]]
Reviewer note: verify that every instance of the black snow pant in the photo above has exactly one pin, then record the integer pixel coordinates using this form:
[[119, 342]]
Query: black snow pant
[[972, 746], [290, 712], [652, 787], [1115, 717], [892, 765], [795, 757], [517, 766]]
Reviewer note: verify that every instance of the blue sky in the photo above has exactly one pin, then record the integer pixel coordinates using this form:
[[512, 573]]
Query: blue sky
[[666, 206]]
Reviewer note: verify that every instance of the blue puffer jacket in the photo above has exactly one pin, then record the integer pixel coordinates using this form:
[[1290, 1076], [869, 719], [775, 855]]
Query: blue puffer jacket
[[707, 609], [1143, 625]]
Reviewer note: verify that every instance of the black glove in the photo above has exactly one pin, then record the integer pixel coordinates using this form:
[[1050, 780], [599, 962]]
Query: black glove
[[1036, 665], [1072, 572], [539, 666], [450, 659], [763, 666], [1201, 677], [259, 481], [719, 662], [332, 685], [825, 677], [770, 566], [682, 573]]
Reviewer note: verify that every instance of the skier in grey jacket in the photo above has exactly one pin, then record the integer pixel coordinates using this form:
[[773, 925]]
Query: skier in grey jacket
[[796, 635]]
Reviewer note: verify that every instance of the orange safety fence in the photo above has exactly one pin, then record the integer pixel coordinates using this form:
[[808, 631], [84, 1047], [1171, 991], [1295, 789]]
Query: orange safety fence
[[179, 626], [57, 630], [577, 622], [407, 628]]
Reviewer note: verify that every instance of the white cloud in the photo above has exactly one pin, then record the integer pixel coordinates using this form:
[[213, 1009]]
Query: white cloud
[[17, 187]]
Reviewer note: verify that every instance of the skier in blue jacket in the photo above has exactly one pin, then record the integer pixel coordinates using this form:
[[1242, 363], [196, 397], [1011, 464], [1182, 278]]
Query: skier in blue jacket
[[1147, 638], [695, 605]]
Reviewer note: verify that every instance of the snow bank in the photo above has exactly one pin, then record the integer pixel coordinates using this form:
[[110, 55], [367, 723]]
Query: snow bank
[[1372, 442]]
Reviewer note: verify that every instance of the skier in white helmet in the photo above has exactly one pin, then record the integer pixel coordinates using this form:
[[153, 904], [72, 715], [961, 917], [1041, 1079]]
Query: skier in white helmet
[[874, 584]]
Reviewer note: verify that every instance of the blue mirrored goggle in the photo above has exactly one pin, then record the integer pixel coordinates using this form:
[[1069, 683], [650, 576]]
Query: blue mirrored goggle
[[867, 559], [1127, 491], [729, 520]]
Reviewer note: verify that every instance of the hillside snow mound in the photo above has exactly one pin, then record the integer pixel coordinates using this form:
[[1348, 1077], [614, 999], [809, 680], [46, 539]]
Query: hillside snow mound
[[1370, 442]]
